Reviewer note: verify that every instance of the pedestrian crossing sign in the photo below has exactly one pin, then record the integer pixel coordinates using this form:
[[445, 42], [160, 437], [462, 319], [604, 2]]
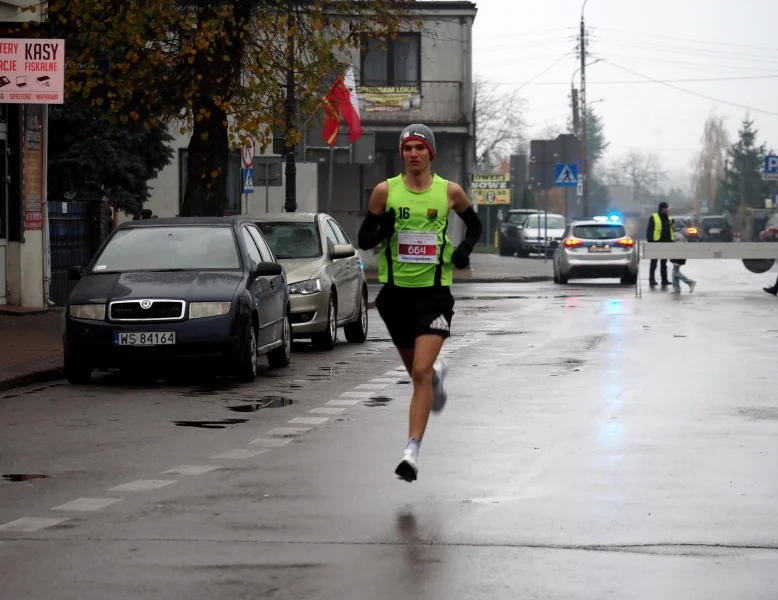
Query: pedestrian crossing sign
[[248, 181], [566, 175]]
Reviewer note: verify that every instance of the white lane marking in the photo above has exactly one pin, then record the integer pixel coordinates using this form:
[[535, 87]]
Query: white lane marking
[[266, 443], [87, 504], [309, 420], [370, 386], [343, 402], [288, 431], [191, 470], [31, 524], [385, 380], [239, 454], [327, 411], [142, 485], [356, 394]]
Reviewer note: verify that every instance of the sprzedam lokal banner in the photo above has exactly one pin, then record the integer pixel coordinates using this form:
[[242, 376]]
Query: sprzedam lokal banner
[[489, 189]]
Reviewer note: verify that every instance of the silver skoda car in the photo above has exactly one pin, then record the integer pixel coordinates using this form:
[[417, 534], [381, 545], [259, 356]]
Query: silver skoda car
[[594, 249], [327, 287]]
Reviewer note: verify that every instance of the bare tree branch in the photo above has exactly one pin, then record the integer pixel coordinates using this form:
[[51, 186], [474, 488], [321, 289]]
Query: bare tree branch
[[498, 123]]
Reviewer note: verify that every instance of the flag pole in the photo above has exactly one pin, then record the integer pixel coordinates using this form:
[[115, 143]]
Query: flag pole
[[330, 180]]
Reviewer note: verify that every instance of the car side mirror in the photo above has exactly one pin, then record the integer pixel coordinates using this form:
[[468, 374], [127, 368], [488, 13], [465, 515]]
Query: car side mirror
[[268, 269], [342, 251], [520, 227], [75, 273]]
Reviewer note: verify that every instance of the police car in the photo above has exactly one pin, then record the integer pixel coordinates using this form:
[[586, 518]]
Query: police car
[[596, 248]]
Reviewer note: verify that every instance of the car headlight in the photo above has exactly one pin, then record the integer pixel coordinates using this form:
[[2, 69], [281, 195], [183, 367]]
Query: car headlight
[[200, 310], [91, 312], [311, 286]]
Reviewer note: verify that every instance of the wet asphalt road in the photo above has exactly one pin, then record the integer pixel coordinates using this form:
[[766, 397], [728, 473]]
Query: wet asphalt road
[[594, 445]]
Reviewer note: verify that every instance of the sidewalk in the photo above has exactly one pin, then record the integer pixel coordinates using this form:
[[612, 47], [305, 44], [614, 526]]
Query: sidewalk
[[30, 348], [491, 268]]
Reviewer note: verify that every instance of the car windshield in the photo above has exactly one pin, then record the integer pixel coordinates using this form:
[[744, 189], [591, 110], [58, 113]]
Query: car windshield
[[292, 240], [517, 218], [162, 248], [599, 232], [539, 221], [714, 222]]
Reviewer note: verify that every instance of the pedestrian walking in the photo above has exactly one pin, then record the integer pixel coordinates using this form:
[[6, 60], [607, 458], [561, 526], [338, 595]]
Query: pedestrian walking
[[678, 277]]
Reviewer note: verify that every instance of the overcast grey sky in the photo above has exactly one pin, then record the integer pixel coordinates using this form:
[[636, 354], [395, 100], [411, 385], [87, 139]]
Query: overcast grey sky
[[723, 41]]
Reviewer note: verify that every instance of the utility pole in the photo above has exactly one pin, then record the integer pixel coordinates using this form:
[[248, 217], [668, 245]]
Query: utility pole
[[584, 119], [290, 204], [576, 114]]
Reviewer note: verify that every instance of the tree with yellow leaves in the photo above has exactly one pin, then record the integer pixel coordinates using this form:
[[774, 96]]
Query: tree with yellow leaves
[[218, 69]]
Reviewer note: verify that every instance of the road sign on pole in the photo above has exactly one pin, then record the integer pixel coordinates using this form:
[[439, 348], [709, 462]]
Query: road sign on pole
[[248, 181], [770, 168], [566, 175], [247, 154]]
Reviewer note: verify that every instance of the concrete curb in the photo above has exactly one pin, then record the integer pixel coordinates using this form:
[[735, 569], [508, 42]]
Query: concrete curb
[[32, 378]]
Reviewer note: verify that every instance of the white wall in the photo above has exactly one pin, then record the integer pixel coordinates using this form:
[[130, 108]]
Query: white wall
[[165, 189]]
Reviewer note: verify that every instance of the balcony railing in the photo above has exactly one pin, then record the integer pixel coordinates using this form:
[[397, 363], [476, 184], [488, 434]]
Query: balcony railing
[[431, 102]]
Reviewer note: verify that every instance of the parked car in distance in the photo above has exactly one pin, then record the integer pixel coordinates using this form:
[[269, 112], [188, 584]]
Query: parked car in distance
[[509, 230], [326, 277], [541, 231], [179, 289], [686, 227], [716, 228], [770, 231], [594, 249]]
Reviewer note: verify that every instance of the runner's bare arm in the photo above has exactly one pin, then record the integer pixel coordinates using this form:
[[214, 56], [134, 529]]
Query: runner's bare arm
[[378, 224]]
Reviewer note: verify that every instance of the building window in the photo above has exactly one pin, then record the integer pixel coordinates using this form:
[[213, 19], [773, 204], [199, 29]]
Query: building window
[[391, 62], [234, 184]]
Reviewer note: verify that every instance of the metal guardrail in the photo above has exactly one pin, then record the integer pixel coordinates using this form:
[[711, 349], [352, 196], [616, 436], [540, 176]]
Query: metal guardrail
[[75, 232]]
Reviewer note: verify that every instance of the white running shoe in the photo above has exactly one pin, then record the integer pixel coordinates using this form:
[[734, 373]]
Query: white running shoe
[[439, 395], [408, 469], [692, 285]]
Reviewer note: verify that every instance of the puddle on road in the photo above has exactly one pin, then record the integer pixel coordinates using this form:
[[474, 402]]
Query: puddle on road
[[18, 477], [506, 332], [378, 401], [221, 424], [759, 414], [210, 391], [265, 402]]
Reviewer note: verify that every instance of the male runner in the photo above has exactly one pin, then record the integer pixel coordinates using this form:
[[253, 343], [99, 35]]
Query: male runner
[[408, 216]]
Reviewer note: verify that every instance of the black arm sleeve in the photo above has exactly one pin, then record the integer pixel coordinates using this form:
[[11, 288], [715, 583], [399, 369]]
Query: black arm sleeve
[[650, 229], [370, 233], [473, 229]]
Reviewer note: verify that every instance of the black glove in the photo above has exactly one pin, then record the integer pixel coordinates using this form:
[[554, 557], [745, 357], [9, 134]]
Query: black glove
[[460, 258]]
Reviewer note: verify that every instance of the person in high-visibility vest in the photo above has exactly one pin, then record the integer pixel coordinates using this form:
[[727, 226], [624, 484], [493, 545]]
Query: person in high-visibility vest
[[660, 229]]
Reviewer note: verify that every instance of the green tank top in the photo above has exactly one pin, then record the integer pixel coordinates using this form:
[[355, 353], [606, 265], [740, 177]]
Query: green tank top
[[419, 253]]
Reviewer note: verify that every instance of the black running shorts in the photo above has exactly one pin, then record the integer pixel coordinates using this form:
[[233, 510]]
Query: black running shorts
[[411, 312]]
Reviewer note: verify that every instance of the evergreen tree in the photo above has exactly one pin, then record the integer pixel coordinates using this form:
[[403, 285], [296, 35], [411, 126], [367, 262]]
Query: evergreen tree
[[91, 160], [743, 185]]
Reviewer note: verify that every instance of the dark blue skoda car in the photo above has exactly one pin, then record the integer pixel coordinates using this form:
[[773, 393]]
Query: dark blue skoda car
[[181, 289]]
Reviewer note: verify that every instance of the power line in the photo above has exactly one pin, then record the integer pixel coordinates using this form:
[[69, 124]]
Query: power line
[[680, 89], [554, 64], [633, 81], [690, 51], [504, 47], [680, 39], [709, 66], [516, 34]]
